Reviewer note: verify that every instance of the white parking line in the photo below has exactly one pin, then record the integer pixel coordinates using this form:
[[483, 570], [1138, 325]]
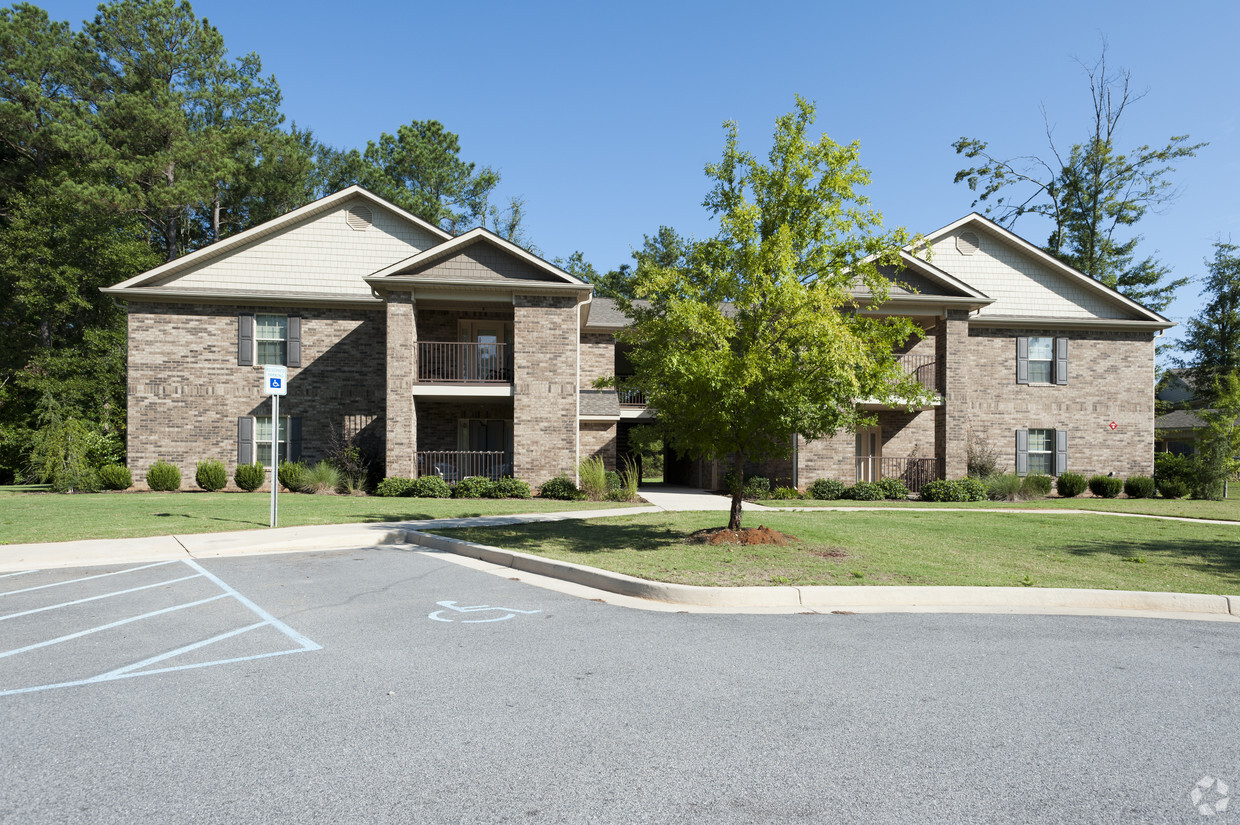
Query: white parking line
[[86, 578], [120, 671], [272, 620], [21, 573], [96, 598]]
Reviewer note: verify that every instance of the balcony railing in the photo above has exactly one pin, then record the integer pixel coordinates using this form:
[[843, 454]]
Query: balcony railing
[[632, 398], [454, 465], [914, 472], [922, 367], [463, 363]]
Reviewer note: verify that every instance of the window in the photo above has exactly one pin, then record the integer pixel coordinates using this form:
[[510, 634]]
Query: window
[[271, 340], [262, 439], [1041, 452], [1041, 361]]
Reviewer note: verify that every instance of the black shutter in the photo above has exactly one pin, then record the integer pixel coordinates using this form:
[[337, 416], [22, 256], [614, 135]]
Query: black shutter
[[1061, 452], [245, 440], [1022, 360], [1022, 452], [294, 341], [245, 340], [1061, 360], [294, 438]]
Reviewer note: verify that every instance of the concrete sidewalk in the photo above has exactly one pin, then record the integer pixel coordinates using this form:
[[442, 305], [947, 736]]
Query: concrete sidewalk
[[691, 498]]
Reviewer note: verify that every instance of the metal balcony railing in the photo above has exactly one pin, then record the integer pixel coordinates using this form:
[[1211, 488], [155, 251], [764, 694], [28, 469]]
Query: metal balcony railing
[[463, 363], [454, 465], [631, 398], [914, 472], [922, 367]]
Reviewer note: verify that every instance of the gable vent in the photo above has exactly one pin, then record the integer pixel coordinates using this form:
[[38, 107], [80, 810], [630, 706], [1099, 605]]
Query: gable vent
[[359, 217], [967, 243]]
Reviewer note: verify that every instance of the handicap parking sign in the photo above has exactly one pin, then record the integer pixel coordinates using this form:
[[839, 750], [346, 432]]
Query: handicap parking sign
[[275, 380]]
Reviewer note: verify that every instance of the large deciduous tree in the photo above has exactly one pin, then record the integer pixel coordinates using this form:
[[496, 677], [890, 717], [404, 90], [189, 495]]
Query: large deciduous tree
[[754, 336], [1211, 343], [1092, 192]]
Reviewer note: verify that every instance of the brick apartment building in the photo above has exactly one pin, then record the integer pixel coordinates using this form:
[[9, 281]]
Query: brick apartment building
[[469, 356]]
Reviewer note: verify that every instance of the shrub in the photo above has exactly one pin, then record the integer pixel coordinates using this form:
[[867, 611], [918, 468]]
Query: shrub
[[1003, 487], [431, 486], [1036, 485], [163, 477], [345, 454], [115, 477], [509, 488], [893, 488], [982, 460], [971, 489], [593, 478], [561, 488], [826, 489], [394, 486], [211, 475], [785, 493], [292, 475], [756, 487], [60, 455], [731, 481], [618, 494], [472, 487], [964, 489], [1139, 487], [1105, 486], [322, 478], [1171, 488], [630, 474], [1070, 485], [250, 477], [864, 491], [613, 480]]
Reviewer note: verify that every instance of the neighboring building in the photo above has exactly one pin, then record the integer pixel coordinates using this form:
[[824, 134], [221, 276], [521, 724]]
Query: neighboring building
[[468, 355]]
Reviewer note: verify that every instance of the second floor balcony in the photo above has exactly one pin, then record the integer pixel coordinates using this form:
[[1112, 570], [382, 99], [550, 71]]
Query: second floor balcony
[[452, 362]]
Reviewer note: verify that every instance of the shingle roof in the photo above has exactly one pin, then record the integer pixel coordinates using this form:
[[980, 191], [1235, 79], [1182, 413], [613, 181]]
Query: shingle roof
[[600, 402]]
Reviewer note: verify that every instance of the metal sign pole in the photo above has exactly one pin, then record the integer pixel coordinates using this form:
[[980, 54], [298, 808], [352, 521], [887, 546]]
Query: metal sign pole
[[275, 454]]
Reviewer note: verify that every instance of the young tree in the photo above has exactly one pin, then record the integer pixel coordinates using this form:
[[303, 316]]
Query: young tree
[[1091, 192], [1212, 340], [751, 338], [1218, 455]]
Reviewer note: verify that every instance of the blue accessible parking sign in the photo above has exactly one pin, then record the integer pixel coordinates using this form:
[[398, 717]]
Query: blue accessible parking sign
[[274, 380]]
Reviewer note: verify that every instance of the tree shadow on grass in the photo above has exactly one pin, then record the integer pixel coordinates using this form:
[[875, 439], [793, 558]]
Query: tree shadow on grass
[[579, 538], [1215, 557], [193, 517]]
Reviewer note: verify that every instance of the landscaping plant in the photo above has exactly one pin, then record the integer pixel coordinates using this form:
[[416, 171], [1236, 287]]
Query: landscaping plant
[[211, 475], [893, 489], [115, 477], [292, 475], [826, 489], [560, 487], [472, 487], [1139, 487], [1036, 485], [250, 477], [1003, 487], [163, 477], [1070, 485], [431, 487], [1105, 486], [593, 476], [508, 488], [756, 487], [864, 491], [320, 479], [395, 486], [785, 494]]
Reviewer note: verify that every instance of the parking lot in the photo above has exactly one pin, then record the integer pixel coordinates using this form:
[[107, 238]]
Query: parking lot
[[386, 685]]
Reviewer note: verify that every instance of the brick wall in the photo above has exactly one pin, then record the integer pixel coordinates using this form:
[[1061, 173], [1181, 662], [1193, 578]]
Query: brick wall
[[185, 390], [442, 324], [400, 345], [598, 357], [545, 362], [598, 438]]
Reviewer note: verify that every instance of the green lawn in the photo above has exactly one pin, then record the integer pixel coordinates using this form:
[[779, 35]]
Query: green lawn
[[1228, 509], [36, 517], [899, 547]]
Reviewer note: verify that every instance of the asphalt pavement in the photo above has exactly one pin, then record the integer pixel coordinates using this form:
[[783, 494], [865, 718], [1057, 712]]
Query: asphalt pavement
[[389, 685]]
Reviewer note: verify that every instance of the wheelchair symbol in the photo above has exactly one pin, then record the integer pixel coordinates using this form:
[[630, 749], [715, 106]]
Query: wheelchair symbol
[[509, 612]]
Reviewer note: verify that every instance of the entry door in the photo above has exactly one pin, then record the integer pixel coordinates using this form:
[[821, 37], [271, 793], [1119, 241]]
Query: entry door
[[869, 453], [486, 361]]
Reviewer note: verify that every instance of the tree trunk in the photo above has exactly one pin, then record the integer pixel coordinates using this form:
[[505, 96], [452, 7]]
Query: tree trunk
[[734, 518], [215, 217]]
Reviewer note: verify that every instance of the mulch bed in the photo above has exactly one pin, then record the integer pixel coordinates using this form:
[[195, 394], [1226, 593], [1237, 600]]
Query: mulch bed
[[744, 536]]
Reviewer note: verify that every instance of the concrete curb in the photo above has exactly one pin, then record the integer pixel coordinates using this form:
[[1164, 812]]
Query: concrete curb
[[944, 599]]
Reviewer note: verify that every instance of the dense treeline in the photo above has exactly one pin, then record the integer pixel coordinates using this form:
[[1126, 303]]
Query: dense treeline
[[134, 140]]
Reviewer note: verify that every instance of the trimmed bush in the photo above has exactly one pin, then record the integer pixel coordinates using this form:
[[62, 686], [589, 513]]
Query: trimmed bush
[[1036, 485], [1070, 485], [826, 489], [730, 481], [964, 489], [211, 475], [893, 489], [292, 475], [1175, 476], [395, 486], [431, 487], [514, 488], [1003, 487], [864, 491], [785, 494], [614, 482], [472, 487], [321, 479], [1139, 487], [619, 494], [756, 487], [1105, 486], [115, 477], [971, 489], [163, 477], [561, 488], [250, 477], [1171, 488]]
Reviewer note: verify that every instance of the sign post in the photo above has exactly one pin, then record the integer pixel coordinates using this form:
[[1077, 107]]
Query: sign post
[[275, 381]]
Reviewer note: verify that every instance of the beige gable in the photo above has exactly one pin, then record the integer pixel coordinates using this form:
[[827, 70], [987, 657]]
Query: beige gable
[[1020, 285], [482, 262], [323, 255]]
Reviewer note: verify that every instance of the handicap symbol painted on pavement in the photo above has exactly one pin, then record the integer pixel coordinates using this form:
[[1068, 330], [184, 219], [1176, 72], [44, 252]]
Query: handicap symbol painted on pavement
[[509, 612]]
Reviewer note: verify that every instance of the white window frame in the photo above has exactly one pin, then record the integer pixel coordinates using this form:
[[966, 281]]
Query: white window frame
[[281, 444], [1049, 452], [1049, 361], [259, 340]]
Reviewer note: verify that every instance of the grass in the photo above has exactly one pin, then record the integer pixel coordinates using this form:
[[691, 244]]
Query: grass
[[1228, 509], [37, 517], [899, 547]]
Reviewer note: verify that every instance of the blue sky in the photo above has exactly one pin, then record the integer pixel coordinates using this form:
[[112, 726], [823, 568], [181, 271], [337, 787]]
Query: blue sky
[[602, 116]]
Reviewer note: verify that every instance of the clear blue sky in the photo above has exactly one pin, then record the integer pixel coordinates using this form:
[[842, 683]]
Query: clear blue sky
[[602, 116]]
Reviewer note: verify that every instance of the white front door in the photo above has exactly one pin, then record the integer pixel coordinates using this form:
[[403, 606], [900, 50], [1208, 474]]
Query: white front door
[[869, 453]]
